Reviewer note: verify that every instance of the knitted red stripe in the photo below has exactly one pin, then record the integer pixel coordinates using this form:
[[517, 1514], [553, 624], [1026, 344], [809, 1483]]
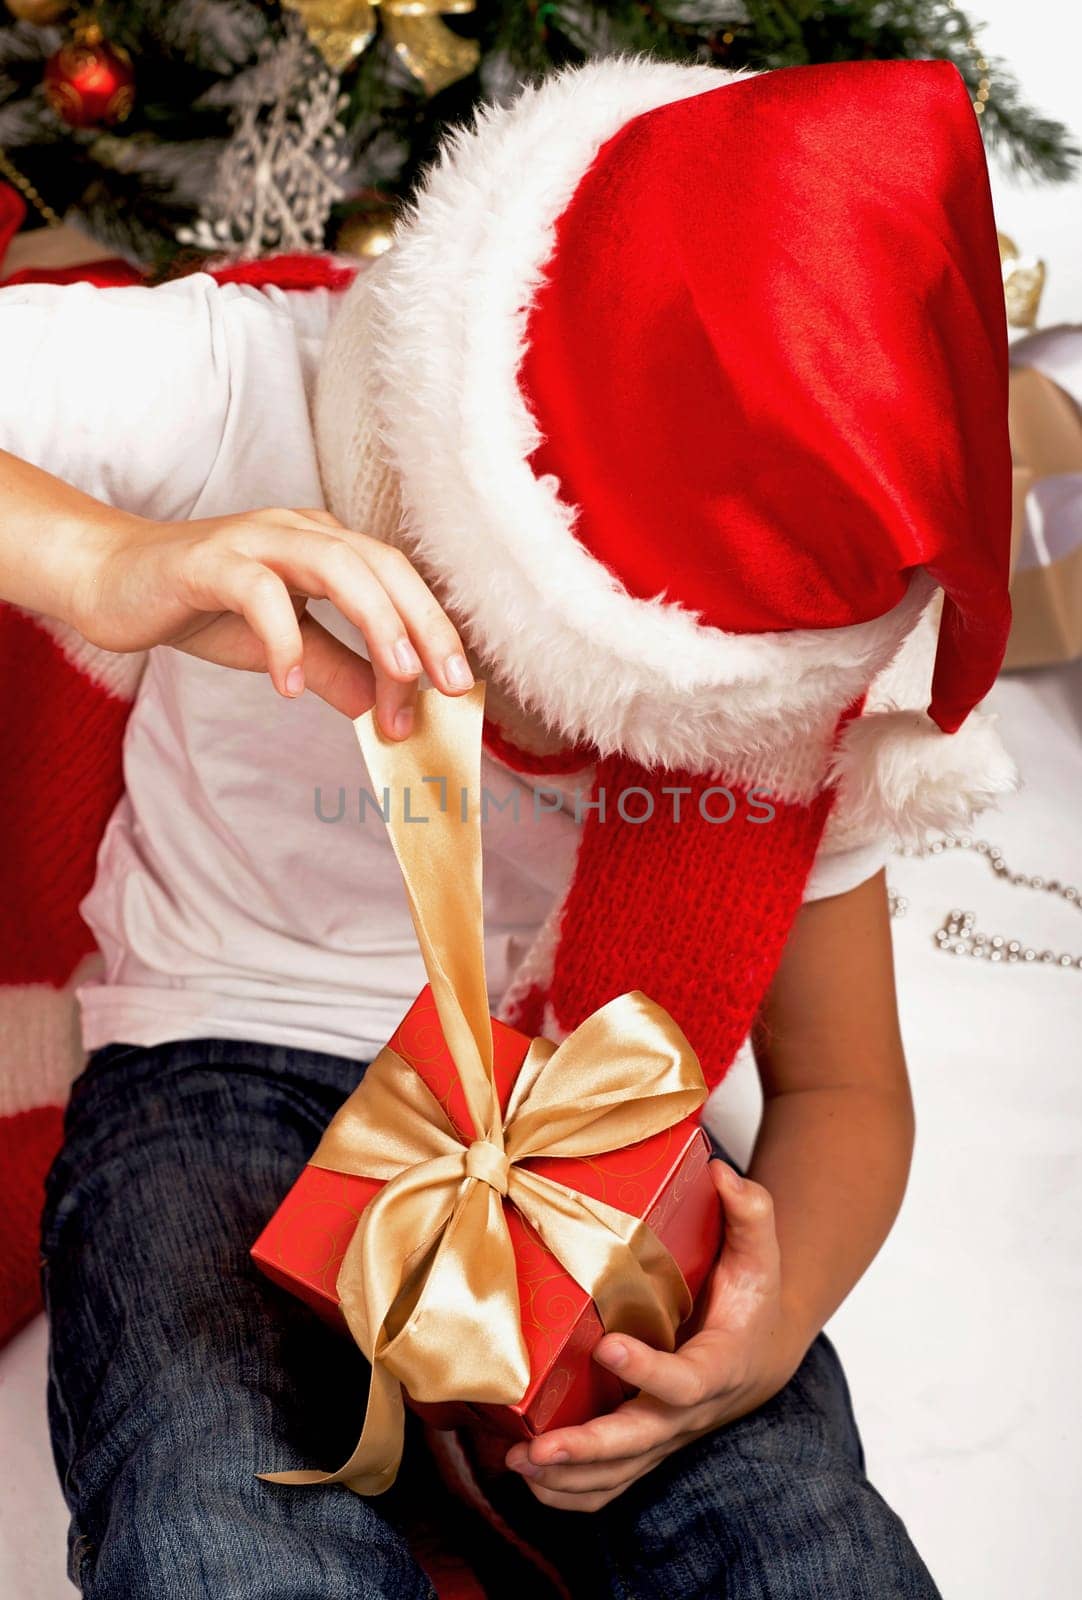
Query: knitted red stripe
[[60, 778], [528, 1012], [279, 272], [572, 759], [111, 272], [693, 912], [28, 1143], [289, 272]]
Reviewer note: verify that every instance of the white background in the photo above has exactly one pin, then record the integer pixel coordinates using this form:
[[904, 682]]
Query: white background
[[1042, 43]]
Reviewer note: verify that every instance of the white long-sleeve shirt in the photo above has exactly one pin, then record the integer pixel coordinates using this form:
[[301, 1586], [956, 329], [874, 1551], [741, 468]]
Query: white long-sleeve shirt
[[244, 889]]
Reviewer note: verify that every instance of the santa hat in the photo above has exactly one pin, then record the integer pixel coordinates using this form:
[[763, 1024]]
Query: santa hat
[[688, 392], [695, 383]]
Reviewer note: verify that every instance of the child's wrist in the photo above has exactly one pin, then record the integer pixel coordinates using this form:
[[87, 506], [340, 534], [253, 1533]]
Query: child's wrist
[[88, 551]]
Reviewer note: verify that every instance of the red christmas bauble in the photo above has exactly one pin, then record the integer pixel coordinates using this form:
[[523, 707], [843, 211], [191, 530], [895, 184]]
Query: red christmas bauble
[[90, 82]]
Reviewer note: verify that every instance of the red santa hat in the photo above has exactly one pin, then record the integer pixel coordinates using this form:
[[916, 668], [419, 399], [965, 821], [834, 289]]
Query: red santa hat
[[695, 384], [693, 389]]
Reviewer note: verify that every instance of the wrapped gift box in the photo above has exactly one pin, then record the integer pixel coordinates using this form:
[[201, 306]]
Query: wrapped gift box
[[663, 1179], [1046, 535]]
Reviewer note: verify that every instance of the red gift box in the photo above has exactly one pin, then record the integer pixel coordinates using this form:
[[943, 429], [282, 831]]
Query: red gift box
[[663, 1179]]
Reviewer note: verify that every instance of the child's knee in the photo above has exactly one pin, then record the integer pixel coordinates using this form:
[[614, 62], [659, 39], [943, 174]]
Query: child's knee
[[180, 1531]]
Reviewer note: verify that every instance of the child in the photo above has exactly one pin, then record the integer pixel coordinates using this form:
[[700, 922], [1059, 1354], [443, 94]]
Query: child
[[681, 393]]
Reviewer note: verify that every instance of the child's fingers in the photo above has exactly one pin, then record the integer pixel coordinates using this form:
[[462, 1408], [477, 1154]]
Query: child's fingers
[[750, 1234], [224, 580], [318, 514], [697, 1372], [335, 672], [633, 1429], [431, 631], [590, 1476], [322, 565], [430, 628], [374, 586]]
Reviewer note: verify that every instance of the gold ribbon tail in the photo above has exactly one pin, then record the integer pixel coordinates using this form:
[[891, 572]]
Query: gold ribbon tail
[[373, 1466]]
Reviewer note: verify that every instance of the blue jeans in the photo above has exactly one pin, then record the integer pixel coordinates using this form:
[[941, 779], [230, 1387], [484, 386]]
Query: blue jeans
[[177, 1372]]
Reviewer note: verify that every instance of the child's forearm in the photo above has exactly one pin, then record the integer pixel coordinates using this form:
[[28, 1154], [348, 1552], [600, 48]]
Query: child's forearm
[[231, 590], [837, 1133], [836, 1161], [50, 536]]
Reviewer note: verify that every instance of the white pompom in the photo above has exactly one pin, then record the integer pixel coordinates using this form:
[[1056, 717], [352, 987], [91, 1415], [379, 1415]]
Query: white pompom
[[899, 776]]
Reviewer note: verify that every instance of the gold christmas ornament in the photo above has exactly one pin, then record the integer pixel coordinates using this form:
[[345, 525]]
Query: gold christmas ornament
[[29, 191], [366, 233], [39, 12], [342, 30], [1023, 283]]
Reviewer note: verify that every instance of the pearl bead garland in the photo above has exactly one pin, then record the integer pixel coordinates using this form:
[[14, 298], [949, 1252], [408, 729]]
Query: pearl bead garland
[[959, 935]]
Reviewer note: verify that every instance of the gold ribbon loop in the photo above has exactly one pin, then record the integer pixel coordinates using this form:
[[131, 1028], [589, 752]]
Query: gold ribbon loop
[[428, 1284]]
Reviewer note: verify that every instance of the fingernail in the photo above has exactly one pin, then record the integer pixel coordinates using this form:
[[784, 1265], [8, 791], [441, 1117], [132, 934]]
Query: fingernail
[[403, 722], [407, 657], [734, 1178], [457, 670], [614, 1355], [295, 680], [558, 1459], [527, 1468]]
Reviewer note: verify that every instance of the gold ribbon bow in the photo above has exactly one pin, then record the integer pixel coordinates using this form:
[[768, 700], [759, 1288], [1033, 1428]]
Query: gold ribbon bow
[[342, 30], [428, 1283]]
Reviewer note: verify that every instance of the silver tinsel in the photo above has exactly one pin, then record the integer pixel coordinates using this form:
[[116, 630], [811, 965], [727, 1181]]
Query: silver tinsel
[[959, 934], [278, 177]]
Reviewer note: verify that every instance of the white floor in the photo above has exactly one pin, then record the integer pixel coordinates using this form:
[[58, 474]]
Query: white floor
[[962, 1343]]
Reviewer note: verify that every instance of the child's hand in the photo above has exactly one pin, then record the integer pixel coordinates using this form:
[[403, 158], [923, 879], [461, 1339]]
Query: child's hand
[[232, 590], [744, 1351]]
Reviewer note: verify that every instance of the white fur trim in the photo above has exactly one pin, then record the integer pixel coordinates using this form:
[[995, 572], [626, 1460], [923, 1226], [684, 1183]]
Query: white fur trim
[[905, 683], [900, 778], [118, 675], [445, 310], [39, 1042], [551, 1028], [535, 969]]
